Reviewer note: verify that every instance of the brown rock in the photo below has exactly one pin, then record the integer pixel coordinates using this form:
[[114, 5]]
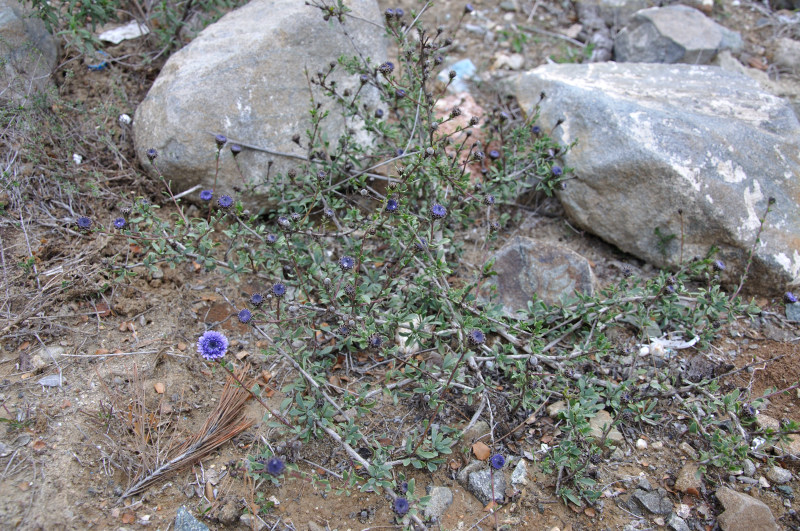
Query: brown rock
[[743, 512], [689, 479]]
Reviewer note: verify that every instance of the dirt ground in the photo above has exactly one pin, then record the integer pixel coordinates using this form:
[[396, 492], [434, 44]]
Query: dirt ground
[[60, 458]]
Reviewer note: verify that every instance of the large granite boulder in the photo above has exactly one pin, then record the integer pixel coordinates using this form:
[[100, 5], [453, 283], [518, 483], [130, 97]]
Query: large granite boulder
[[28, 53], [673, 34], [245, 77], [656, 140]]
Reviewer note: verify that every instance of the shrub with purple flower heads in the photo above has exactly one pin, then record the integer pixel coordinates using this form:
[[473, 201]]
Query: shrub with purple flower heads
[[497, 461], [206, 195], [212, 345], [245, 316], [275, 466], [438, 211], [279, 289], [401, 506], [120, 223], [84, 223], [346, 263]]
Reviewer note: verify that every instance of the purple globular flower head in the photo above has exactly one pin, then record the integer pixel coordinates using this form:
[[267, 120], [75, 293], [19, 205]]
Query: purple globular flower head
[[343, 330], [392, 205], [386, 68], [151, 153], [346, 263], [438, 211], [275, 466], [271, 239], [789, 297], [399, 152], [400, 93], [245, 316], [468, 8], [84, 223], [719, 265], [225, 201], [389, 13], [399, 12], [494, 154], [421, 245], [476, 337], [378, 113], [488, 200], [212, 345], [364, 78], [206, 195], [401, 506], [235, 149], [497, 461], [279, 289], [221, 140], [375, 341], [329, 213], [120, 223], [536, 129], [256, 299], [556, 170]]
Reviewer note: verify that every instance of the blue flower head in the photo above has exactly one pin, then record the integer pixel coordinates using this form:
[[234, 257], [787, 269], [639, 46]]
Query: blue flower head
[[212, 345], [151, 154], [256, 299], [245, 316], [488, 200], [556, 170], [536, 129], [719, 265], [789, 297], [375, 341], [401, 506], [421, 244], [392, 205], [279, 289], [476, 337], [206, 195], [221, 140], [120, 223], [225, 201], [271, 238], [386, 68], [497, 461], [378, 113], [275, 466], [84, 222], [438, 211], [494, 154], [346, 263], [235, 149]]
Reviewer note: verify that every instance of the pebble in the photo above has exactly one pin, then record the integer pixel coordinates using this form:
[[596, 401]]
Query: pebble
[[748, 468], [763, 482], [779, 475], [641, 444], [687, 449], [658, 445], [519, 476]]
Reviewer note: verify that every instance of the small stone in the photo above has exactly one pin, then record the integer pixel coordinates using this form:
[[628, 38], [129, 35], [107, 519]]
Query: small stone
[[480, 485], [441, 498], [656, 502], [779, 475], [658, 445], [762, 481], [660, 522], [641, 444], [743, 512], [689, 479], [687, 449], [554, 409], [598, 424], [748, 468], [676, 523], [184, 521], [519, 477], [250, 522], [644, 484]]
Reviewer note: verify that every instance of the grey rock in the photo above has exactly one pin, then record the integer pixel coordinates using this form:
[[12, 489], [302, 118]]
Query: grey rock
[[464, 473], [519, 477], [613, 13], [480, 485], [251, 522], [653, 139], [793, 312], [526, 268], [779, 475], [465, 71], [673, 34], [47, 355], [28, 53], [644, 484], [743, 512], [244, 77], [787, 54], [689, 478], [441, 498], [184, 521], [748, 468], [655, 502], [676, 523]]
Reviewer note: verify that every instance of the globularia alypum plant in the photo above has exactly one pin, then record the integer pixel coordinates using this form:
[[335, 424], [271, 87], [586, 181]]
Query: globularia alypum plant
[[367, 301]]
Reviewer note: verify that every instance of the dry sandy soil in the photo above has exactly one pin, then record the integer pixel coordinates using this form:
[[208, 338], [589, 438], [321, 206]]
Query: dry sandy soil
[[62, 461]]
